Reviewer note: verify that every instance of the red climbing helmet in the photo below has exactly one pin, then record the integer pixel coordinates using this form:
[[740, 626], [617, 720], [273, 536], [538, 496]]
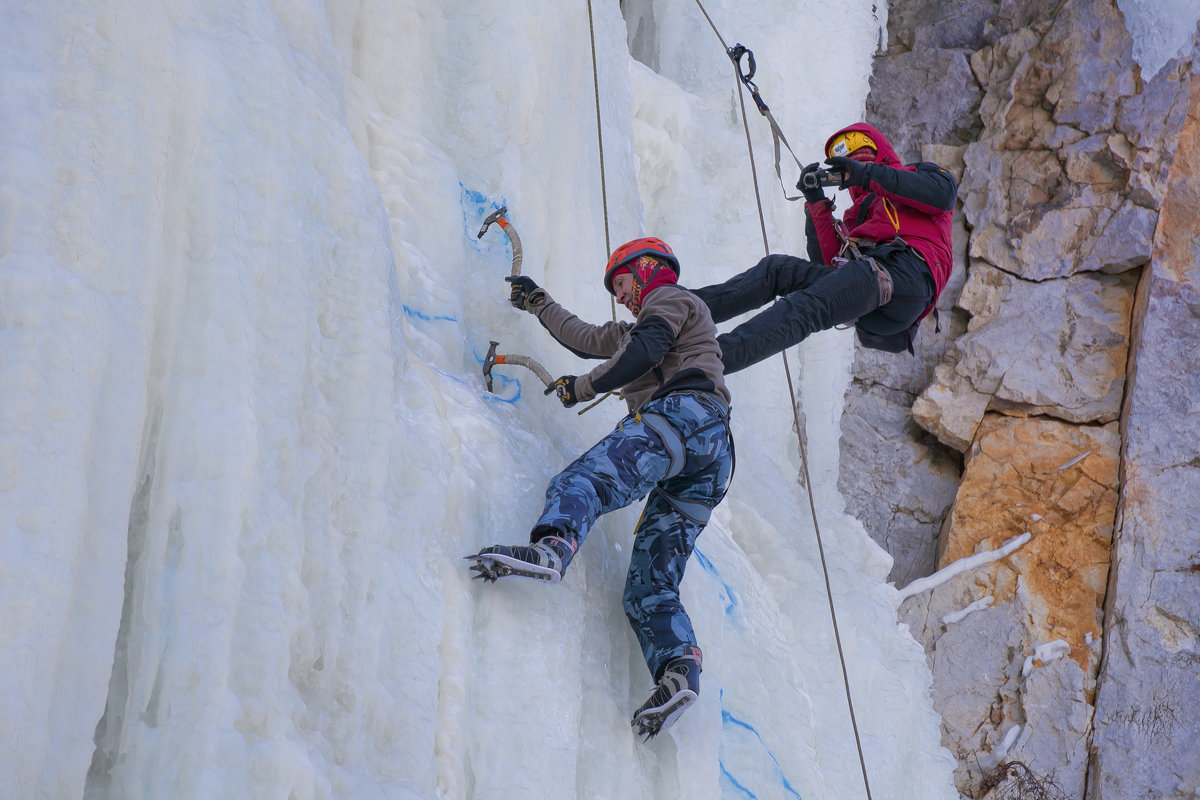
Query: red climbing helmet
[[647, 246]]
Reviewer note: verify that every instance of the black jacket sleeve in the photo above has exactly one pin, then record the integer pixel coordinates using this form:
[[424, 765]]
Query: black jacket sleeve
[[810, 235], [930, 187], [649, 341]]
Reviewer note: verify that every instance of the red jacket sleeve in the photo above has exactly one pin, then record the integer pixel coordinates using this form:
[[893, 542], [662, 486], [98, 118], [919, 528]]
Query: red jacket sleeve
[[825, 227]]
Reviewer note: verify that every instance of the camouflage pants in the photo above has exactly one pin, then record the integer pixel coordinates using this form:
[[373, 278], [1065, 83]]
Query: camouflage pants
[[678, 450]]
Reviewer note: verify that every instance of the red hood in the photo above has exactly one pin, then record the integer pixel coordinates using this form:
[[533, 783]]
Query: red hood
[[885, 154]]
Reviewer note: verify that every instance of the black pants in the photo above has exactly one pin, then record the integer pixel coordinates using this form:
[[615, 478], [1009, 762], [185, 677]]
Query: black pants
[[813, 297]]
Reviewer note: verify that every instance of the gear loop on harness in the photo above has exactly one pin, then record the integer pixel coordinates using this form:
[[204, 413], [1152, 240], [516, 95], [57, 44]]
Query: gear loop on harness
[[671, 440]]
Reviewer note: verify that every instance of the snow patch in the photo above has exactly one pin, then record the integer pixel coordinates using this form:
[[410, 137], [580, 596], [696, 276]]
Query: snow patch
[[1045, 653], [961, 614], [963, 565]]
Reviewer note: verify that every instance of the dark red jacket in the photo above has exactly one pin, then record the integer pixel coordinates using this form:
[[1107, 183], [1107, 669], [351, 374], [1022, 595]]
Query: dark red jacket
[[912, 201]]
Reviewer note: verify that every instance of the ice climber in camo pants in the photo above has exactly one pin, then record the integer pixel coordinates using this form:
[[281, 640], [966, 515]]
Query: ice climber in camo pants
[[675, 446]]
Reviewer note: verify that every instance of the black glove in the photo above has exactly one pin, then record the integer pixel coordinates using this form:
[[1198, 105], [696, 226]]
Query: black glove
[[526, 294], [565, 388], [854, 173], [813, 193]]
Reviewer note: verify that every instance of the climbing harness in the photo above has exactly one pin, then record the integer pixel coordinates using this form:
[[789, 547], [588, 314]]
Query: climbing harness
[[673, 441], [735, 56], [850, 245], [891, 343]]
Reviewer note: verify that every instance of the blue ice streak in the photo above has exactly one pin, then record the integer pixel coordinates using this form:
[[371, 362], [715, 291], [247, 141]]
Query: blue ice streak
[[708, 566], [728, 719], [421, 315], [732, 780], [500, 381], [476, 207]]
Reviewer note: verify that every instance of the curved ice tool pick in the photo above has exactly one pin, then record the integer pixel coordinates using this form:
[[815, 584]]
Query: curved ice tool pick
[[494, 358], [498, 217]]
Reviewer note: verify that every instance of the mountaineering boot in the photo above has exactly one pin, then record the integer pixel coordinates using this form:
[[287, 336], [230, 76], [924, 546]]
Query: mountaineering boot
[[677, 689], [543, 560]]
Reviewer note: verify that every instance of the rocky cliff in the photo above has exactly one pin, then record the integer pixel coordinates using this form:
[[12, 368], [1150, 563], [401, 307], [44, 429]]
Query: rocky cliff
[[1060, 398]]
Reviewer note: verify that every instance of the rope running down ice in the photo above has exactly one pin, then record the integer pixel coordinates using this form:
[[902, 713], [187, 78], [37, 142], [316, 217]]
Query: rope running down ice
[[600, 143], [800, 439]]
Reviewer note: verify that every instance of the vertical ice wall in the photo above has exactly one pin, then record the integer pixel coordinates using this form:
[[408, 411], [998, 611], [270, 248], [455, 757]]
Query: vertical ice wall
[[245, 438]]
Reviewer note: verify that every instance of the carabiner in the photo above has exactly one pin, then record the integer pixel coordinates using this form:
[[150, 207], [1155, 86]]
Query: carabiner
[[735, 54]]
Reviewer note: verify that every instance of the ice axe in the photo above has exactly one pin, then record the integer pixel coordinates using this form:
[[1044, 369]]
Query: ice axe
[[494, 358], [501, 220]]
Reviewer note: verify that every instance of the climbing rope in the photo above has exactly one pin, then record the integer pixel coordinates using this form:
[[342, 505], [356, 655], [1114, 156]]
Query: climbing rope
[[600, 143], [762, 222], [735, 55]]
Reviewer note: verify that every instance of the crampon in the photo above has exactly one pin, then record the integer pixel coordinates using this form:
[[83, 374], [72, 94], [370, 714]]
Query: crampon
[[650, 722], [543, 560], [491, 567]]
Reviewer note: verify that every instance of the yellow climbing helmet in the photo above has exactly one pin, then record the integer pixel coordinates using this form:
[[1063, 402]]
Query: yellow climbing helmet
[[846, 143]]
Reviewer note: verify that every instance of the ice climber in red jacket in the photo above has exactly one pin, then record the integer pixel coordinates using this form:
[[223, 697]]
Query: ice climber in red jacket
[[881, 266]]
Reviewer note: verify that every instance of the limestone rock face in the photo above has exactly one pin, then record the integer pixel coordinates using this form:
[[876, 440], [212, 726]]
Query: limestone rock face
[[1065, 379], [1058, 719], [1058, 348], [1147, 720], [1068, 173], [978, 685], [1058, 482], [1054, 188], [921, 480], [913, 77]]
